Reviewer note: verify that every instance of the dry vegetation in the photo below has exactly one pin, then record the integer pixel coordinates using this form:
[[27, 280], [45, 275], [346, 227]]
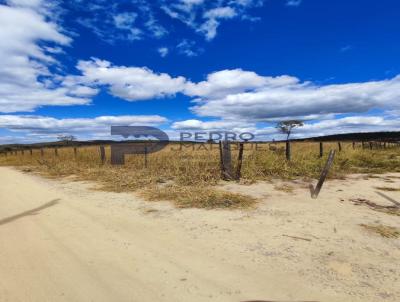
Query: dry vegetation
[[389, 189], [186, 174], [383, 230], [198, 197]]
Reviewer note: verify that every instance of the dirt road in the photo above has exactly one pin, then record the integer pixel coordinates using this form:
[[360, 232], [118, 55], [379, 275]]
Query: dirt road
[[61, 241]]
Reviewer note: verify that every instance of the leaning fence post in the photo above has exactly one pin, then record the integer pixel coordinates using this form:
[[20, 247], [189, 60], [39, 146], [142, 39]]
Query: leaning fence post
[[226, 160], [240, 161], [288, 151], [324, 174], [102, 155], [339, 146], [321, 149]]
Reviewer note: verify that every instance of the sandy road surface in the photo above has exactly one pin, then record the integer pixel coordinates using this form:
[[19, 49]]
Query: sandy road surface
[[60, 241]]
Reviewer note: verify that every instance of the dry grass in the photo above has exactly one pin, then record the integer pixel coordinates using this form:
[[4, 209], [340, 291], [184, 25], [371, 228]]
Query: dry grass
[[391, 210], [284, 188], [198, 197], [197, 166], [384, 231], [389, 189]]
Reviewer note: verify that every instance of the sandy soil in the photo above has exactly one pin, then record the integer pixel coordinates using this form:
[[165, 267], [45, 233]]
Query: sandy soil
[[62, 241]]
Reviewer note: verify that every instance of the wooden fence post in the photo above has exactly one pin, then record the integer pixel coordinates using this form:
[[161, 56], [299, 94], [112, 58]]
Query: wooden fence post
[[226, 160], [354, 145], [56, 151], [102, 155], [370, 145], [41, 152], [75, 152], [145, 157], [288, 151], [340, 146], [324, 174], [321, 149], [240, 161], [31, 151]]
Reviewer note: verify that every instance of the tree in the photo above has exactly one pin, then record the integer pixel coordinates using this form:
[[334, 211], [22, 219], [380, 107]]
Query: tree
[[286, 127], [66, 138]]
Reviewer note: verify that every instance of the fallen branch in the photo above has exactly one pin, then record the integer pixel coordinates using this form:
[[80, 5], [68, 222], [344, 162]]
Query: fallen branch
[[295, 237], [394, 210]]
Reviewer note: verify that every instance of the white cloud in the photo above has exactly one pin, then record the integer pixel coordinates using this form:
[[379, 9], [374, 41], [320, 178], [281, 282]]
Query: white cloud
[[189, 48], [26, 82], [42, 127], [226, 82], [238, 94], [113, 27], [220, 13], [286, 97], [346, 48], [188, 5], [50, 9], [124, 20], [115, 21], [213, 17], [129, 83], [163, 51], [206, 16], [212, 125], [294, 2], [350, 124]]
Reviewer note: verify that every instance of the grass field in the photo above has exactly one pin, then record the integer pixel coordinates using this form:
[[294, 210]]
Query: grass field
[[190, 171]]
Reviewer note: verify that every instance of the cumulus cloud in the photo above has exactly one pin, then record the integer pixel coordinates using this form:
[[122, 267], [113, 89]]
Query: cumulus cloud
[[195, 124], [233, 81], [350, 124], [287, 97], [42, 127], [129, 83], [25, 79], [239, 94]]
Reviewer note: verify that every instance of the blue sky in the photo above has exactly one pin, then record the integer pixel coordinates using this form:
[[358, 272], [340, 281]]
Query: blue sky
[[78, 67]]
